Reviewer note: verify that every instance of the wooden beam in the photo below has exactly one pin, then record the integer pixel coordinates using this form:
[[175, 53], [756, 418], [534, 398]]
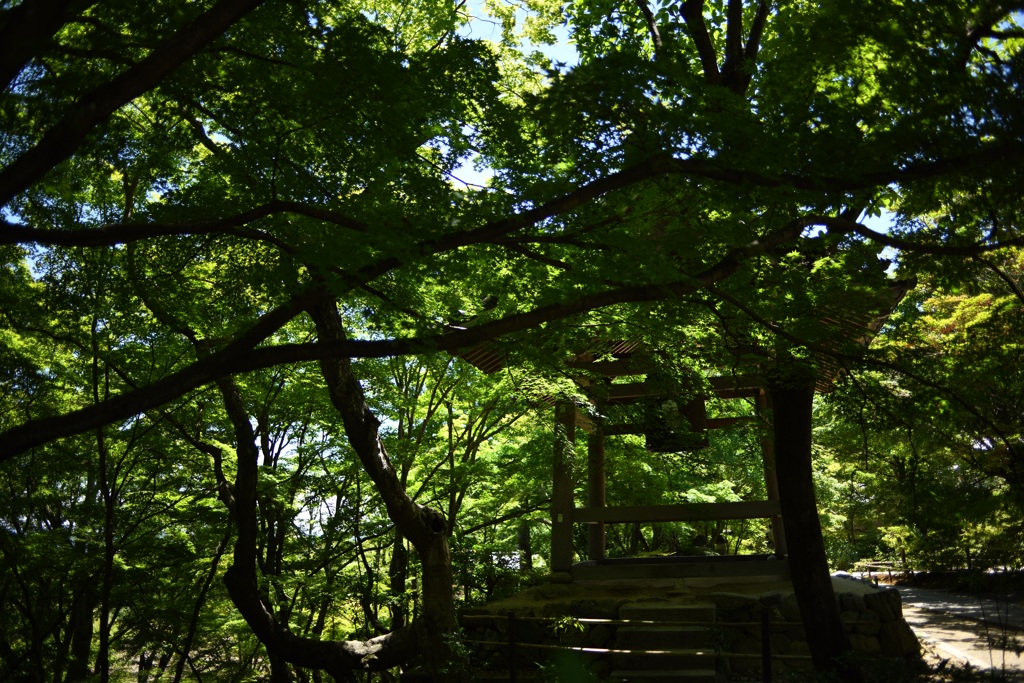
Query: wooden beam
[[596, 491], [729, 394], [713, 423], [622, 429], [562, 501], [737, 383], [612, 368], [631, 391], [744, 386], [726, 422], [582, 571], [686, 512], [771, 481]]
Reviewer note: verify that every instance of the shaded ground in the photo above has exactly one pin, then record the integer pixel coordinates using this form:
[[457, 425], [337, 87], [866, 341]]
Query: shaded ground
[[963, 631]]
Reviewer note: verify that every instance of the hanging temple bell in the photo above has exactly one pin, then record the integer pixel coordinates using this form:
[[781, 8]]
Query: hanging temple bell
[[674, 422]]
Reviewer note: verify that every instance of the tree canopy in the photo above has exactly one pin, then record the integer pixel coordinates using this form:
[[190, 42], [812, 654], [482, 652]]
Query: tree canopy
[[242, 241]]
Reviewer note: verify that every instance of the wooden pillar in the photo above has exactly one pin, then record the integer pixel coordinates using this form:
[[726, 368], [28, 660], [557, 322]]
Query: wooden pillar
[[771, 479], [596, 489], [525, 546], [562, 499]]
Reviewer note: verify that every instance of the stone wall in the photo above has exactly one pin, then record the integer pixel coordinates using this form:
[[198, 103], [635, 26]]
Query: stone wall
[[873, 619]]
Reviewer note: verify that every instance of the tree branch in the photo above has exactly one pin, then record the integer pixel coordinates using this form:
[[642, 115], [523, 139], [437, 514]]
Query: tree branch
[[847, 226], [536, 256], [692, 12], [337, 657], [757, 30], [156, 393], [653, 167], [986, 156], [424, 527], [29, 27], [518, 512], [652, 23], [745, 72], [864, 359], [125, 233], [1005, 277], [61, 141], [242, 356], [991, 15], [733, 42]]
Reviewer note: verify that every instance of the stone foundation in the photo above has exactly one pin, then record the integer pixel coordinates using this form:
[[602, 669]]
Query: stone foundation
[[873, 618]]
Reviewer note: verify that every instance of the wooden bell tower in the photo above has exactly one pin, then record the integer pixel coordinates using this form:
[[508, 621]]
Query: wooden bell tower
[[671, 423]]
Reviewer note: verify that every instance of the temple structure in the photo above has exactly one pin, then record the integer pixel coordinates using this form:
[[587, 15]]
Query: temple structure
[[675, 419]]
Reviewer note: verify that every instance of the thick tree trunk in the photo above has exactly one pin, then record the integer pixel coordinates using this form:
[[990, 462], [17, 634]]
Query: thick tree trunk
[[792, 395], [425, 528], [338, 658], [81, 632], [109, 496]]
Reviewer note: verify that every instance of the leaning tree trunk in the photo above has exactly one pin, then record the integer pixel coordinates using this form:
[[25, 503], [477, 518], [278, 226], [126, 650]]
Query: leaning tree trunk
[[792, 394], [425, 528], [340, 659]]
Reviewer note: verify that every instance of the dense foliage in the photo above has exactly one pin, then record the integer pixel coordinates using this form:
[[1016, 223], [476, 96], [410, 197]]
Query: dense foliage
[[244, 242]]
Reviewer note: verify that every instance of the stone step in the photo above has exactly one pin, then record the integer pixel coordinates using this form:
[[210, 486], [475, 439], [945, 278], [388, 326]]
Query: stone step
[[484, 675], [650, 659], [660, 636], [701, 612], [685, 675]]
